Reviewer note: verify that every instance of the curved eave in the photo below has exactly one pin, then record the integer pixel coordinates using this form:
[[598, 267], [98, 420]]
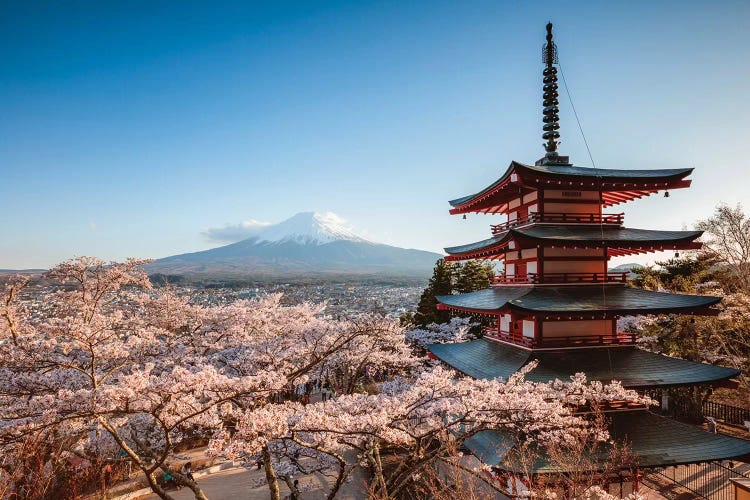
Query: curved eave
[[619, 241], [633, 367], [469, 203], [654, 440], [578, 301], [484, 249], [617, 186]]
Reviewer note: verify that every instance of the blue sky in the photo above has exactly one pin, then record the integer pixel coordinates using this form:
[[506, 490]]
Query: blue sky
[[129, 129]]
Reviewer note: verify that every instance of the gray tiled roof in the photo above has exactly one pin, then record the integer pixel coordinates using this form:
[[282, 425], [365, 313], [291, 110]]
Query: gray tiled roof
[[632, 366], [609, 173], [583, 234], [655, 441], [573, 171], [581, 298]]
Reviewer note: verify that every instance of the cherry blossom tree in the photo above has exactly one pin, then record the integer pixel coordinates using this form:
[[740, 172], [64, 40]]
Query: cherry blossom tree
[[114, 367], [118, 367], [419, 420], [727, 238]]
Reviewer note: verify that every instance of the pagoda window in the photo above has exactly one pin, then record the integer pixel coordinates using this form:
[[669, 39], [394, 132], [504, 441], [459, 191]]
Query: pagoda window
[[505, 323], [510, 269], [531, 267], [526, 253], [528, 328], [514, 203], [533, 208]]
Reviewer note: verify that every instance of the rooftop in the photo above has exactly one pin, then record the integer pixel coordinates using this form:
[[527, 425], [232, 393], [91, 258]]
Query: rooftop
[[620, 240], [629, 183], [630, 365], [656, 441], [578, 300]]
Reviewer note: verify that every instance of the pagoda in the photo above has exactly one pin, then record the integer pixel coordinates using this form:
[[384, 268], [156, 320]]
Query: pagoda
[[557, 303]]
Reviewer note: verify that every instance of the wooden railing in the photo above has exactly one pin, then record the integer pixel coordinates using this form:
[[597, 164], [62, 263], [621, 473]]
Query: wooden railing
[[619, 338], [512, 337], [560, 218], [560, 278], [733, 415]]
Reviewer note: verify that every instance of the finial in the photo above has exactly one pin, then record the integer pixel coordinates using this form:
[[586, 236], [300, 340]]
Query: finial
[[550, 114]]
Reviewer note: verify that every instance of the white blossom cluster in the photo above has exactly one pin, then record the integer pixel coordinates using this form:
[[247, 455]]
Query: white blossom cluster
[[456, 330]]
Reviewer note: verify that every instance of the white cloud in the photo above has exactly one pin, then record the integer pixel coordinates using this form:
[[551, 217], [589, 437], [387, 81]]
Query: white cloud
[[231, 233]]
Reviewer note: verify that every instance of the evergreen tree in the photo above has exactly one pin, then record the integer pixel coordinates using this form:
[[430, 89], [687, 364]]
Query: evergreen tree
[[448, 278], [473, 275], [682, 274], [441, 283]]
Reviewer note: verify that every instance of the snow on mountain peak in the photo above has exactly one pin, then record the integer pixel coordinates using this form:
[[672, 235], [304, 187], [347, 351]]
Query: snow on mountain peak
[[309, 228]]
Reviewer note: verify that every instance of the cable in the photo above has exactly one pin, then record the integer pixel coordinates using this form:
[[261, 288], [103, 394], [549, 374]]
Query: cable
[[593, 164], [575, 113]]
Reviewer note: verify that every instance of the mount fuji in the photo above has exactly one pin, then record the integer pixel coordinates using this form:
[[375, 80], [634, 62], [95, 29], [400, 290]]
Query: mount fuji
[[309, 244]]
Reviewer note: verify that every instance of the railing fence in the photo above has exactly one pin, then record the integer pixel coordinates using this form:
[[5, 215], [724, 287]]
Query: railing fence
[[729, 414], [710, 480]]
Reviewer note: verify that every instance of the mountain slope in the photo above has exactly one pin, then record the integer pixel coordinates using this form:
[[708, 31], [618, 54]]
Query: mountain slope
[[307, 244]]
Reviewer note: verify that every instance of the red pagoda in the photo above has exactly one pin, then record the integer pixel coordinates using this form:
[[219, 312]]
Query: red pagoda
[[557, 303]]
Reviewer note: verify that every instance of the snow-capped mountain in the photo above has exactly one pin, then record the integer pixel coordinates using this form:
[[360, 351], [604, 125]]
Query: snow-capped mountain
[[306, 244], [308, 228]]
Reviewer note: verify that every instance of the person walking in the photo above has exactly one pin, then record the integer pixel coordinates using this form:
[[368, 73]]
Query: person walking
[[106, 476], [187, 471], [295, 490]]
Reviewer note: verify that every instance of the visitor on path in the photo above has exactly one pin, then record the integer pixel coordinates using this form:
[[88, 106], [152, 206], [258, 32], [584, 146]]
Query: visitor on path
[[106, 476], [295, 491], [187, 471], [712, 427]]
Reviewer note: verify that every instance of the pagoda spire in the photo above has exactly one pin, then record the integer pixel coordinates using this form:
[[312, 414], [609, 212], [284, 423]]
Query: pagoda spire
[[550, 114]]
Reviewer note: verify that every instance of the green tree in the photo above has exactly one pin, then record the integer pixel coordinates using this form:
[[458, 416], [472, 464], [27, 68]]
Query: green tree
[[473, 275], [441, 283], [448, 278], [682, 274]]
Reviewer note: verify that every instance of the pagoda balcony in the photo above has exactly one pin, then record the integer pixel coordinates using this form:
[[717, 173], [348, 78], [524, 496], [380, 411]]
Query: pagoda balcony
[[559, 278], [516, 338], [560, 218]]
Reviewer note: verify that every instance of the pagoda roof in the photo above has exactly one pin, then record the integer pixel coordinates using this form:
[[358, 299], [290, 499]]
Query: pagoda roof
[[634, 367], [655, 441], [577, 299], [621, 240], [630, 183]]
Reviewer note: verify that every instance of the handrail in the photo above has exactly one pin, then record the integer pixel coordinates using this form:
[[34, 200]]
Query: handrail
[[618, 338], [562, 218], [512, 337], [547, 278]]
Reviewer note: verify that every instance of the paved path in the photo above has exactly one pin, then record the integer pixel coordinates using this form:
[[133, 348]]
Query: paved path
[[251, 484]]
